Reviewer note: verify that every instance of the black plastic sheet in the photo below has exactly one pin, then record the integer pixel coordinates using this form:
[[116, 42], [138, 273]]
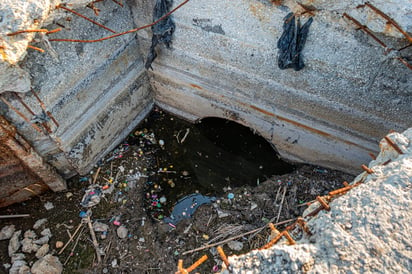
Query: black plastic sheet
[[291, 43], [162, 31]]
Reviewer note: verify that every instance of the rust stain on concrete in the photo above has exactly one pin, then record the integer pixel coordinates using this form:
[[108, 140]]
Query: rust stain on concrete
[[308, 128], [258, 11], [196, 86], [262, 111]]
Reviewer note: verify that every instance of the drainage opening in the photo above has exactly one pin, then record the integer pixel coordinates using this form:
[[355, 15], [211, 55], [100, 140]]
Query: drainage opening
[[195, 163]]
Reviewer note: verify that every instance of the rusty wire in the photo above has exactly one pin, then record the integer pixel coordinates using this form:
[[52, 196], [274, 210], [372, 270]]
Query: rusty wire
[[122, 33], [365, 29], [85, 17], [389, 20]]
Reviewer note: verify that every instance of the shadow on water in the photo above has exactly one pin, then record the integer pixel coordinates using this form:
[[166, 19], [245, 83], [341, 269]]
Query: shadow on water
[[204, 158]]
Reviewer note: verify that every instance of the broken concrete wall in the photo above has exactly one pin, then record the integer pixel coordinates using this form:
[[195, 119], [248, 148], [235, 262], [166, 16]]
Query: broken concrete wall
[[97, 92], [223, 63]]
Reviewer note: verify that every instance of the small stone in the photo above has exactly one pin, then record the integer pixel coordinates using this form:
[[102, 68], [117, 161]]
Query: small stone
[[59, 244], [69, 195], [14, 243], [235, 245], [28, 246], [39, 223], [48, 264], [24, 269], [253, 206], [30, 234], [46, 232], [18, 257], [114, 263], [162, 200], [122, 232], [48, 206], [16, 266], [43, 250], [6, 232], [43, 240]]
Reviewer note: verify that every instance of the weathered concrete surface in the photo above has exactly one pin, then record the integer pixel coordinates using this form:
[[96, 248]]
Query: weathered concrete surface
[[97, 92], [223, 63]]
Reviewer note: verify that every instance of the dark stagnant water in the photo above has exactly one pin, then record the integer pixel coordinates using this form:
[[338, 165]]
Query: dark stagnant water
[[203, 158]]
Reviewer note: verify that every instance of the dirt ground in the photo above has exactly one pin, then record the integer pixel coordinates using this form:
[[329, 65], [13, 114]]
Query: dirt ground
[[151, 245]]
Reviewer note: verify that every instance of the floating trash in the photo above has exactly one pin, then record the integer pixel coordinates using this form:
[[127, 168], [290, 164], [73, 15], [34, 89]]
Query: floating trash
[[186, 207]]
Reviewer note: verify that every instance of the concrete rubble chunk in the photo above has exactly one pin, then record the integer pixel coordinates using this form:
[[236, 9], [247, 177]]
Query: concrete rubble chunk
[[14, 243], [46, 232], [17, 257], [42, 240], [39, 223], [28, 246], [6, 232], [17, 266], [235, 245], [48, 264], [30, 234], [43, 250], [24, 269], [377, 224]]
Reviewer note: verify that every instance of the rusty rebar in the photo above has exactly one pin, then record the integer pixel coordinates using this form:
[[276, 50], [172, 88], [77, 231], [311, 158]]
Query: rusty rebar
[[84, 17], [380, 42], [21, 115], [196, 264], [43, 107], [44, 124], [53, 31], [118, 2], [223, 256], [35, 48], [341, 190], [323, 203], [291, 241], [393, 145], [367, 169], [122, 33], [365, 29], [23, 103], [308, 9], [373, 156], [390, 20], [180, 268], [301, 222], [27, 31], [273, 241]]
